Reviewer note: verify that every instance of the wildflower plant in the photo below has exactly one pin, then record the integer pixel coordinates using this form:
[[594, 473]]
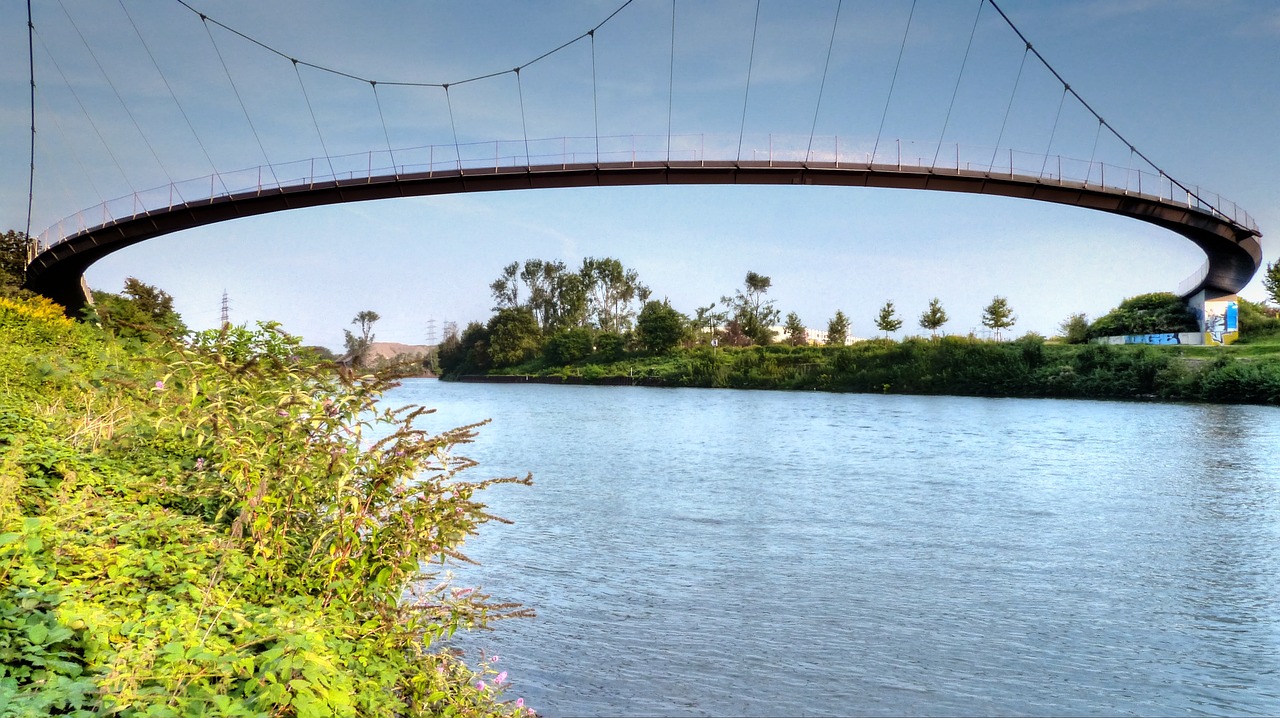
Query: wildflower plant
[[241, 535]]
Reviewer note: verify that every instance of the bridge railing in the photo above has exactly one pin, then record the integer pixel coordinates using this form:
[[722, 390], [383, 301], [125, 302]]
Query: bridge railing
[[649, 150]]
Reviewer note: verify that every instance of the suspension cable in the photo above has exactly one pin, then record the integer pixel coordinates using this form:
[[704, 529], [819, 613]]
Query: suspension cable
[[65, 138], [165, 80], [87, 116], [1093, 153], [307, 97], [1054, 131], [894, 81], [822, 85], [239, 99], [457, 149], [671, 79], [1067, 88], [524, 126], [378, 102], [956, 90], [1009, 108], [353, 76], [747, 92], [31, 176], [84, 41], [595, 95]]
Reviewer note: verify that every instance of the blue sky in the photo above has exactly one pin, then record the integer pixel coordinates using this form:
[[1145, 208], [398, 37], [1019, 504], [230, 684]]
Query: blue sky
[[1192, 84]]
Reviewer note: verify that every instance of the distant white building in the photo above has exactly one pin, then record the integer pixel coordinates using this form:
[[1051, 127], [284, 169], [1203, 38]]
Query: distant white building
[[813, 337]]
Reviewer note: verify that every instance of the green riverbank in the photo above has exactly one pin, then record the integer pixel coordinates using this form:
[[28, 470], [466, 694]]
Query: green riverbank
[[206, 524], [1028, 367]]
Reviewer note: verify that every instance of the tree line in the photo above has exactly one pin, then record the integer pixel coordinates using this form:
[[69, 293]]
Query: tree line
[[602, 310]]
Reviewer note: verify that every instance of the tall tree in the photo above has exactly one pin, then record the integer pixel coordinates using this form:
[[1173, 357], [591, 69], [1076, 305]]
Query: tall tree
[[505, 289], [754, 313], [611, 288], [887, 321], [934, 317], [838, 330], [1271, 281], [538, 276], [358, 344], [998, 316], [514, 336], [14, 247], [795, 330], [141, 310], [710, 320], [568, 305]]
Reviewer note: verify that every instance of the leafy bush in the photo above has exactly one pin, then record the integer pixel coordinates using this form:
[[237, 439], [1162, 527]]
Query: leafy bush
[[1257, 319], [568, 346], [1156, 313], [216, 530], [466, 353], [610, 346], [659, 328], [514, 336]]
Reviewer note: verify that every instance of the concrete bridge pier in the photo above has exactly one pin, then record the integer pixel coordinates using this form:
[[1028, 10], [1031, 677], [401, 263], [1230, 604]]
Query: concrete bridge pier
[[1218, 313]]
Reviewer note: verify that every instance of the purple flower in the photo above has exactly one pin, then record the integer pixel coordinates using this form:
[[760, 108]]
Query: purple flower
[[502, 677], [519, 703], [200, 464], [159, 385], [480, 685]]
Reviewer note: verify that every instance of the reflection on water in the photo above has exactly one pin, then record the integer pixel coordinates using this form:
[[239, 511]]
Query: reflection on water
[[699, 552]]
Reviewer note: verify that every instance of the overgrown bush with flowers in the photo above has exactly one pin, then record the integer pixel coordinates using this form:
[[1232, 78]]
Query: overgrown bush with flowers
[[213, 528]]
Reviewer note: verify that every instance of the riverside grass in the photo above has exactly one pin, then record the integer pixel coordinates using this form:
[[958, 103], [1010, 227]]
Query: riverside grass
[[206, 528], [964, 366]]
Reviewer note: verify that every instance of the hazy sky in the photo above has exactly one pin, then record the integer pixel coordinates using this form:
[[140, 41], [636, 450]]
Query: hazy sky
[[1193, 84]]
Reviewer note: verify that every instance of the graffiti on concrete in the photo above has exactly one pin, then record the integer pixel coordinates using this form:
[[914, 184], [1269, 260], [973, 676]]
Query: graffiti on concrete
[[1151, 339], [1221, 321]]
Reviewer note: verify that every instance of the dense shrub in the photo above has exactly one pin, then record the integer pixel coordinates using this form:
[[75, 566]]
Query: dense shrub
[[1257, 319], [212, 529], [1156, 313], [514, 337], [568, 346], [466, 353], [659, 328], [610, 346]]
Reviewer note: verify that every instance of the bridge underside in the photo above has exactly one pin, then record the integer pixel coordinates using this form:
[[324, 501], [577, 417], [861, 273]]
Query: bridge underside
[[1234, 252]]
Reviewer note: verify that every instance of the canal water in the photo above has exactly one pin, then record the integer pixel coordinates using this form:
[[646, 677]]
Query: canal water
[[716, 552]]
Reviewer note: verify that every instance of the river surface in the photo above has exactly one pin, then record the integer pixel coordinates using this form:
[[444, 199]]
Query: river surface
[[718, 552]]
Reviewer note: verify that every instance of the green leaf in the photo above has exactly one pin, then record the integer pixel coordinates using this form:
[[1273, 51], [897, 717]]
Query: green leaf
[[36, 633], [9, 538]]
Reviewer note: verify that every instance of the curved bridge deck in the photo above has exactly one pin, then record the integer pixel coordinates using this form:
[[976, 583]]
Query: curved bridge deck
[[1233, 250]]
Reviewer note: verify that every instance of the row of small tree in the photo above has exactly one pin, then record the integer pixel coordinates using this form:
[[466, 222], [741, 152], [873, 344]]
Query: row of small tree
[[997, 316]]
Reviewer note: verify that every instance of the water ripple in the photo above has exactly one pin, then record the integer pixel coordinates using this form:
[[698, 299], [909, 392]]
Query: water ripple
[[694, 552]]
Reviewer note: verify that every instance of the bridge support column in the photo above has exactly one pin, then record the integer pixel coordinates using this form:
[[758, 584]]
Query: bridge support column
[[1218, 314]]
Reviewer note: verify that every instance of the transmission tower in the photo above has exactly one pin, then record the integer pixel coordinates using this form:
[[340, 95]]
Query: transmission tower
[[225, 322], [431, 331]]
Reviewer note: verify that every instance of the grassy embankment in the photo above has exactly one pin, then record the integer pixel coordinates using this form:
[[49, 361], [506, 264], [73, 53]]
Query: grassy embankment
[[1248, 372], [201, 528]]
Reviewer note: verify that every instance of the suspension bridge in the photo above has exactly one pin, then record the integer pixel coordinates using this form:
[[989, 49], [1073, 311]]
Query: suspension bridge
[[1101, 171]]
